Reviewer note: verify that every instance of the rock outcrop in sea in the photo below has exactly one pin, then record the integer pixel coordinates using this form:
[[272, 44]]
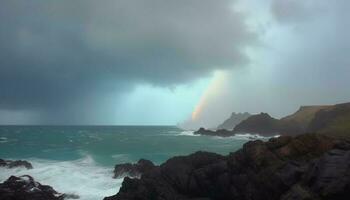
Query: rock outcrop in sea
[[15, 163], [309, 166], [26, 188], [220, 132]]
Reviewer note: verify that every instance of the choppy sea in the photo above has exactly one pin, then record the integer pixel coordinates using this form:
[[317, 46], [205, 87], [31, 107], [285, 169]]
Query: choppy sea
[[80, 159]]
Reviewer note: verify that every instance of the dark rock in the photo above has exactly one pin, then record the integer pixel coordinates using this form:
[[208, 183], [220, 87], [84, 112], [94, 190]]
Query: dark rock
[[220, 132], [25, 188], [16, 163], [329, 176], [70, 196], [262, 124], [309, 166], [133, 170], [298, 193]]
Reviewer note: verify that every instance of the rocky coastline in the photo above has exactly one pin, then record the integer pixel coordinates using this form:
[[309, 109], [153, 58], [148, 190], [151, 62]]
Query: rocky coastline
[[220, 132], [317, 119], [311, 166], [310, 161]]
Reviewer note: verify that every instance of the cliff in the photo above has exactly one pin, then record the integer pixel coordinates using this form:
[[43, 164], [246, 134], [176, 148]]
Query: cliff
[[304, 115], [327, 119], [234, 119], [262, 124], [333, 121]]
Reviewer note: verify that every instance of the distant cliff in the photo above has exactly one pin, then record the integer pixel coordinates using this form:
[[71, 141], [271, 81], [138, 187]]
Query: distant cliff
[[304, 116], [333, 119], [262, 124], [234, 119]]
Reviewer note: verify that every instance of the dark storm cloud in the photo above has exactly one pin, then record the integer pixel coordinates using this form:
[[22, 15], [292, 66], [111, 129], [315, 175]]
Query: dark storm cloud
[[56, 53]]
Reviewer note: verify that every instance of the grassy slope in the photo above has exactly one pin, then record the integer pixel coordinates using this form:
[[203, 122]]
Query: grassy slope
[[333, 121], [304, 115]]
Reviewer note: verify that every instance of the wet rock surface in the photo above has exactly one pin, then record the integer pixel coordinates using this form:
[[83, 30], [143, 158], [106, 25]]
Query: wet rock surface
[[220, 132], [133, 170], [16, 163], [26, 188], [309, 166]]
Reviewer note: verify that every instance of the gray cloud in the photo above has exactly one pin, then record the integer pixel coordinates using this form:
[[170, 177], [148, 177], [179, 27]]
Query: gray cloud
[[291, 10], [55, 53], [312, 65], [320, 43], [304, 60]]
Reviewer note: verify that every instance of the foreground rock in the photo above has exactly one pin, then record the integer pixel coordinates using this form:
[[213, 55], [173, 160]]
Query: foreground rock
[[133, 170], [309, 166], [221, 132], [16, 163], [25, 188]]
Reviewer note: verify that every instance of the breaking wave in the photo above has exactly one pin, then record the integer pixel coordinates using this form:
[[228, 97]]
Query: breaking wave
[[81, 177]]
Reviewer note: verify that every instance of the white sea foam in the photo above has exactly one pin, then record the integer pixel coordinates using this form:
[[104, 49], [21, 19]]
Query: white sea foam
[[244, 136], [180, 133], [82, 177], [248, 136], [188, 133]]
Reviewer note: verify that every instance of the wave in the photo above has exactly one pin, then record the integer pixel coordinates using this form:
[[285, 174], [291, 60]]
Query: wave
[[122, 158], [180, 133], [3, 139], [187, 133], [242, 136], [248, 136], [82, 177]]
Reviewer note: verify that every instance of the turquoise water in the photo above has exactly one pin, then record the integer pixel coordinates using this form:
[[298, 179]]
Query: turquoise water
[[80, 159]]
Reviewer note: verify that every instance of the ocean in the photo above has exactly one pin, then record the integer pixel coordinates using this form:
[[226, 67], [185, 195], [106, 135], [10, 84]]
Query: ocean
[[80, 159]]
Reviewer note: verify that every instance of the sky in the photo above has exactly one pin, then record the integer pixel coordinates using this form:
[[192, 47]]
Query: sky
[[165, 62]]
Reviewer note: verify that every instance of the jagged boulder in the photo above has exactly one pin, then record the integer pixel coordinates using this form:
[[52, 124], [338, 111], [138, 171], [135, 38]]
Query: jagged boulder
[[16, 163], [133, 170], [26, 188]]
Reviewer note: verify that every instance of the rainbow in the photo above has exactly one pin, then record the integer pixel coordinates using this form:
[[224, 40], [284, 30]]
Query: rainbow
[[212, 90]]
